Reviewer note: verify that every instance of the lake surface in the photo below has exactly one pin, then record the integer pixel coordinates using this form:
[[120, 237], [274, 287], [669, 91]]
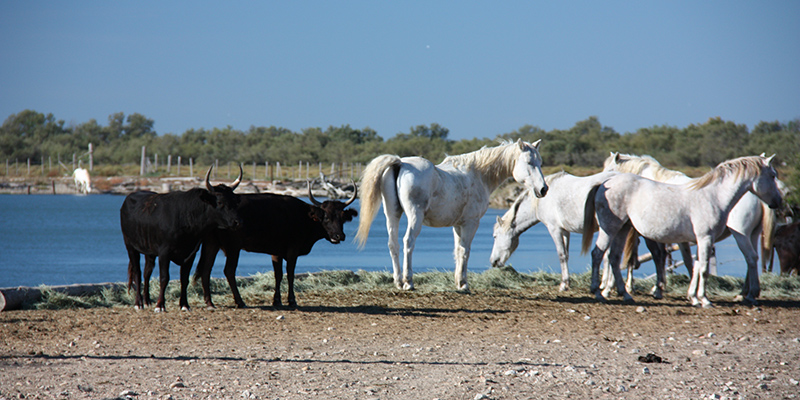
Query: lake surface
[[61, 240]]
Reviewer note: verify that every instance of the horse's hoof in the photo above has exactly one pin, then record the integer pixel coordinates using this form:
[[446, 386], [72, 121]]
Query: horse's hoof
[[706, 303], [408, 286], [185, 308], [564, 287], [159, 310], [658, 295]]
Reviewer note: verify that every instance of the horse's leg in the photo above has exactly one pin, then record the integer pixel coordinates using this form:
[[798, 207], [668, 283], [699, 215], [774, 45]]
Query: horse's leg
[[607, 280], [659, 253], [598, 253], [393, 211], [392, 228], [149, 266], [462, 236], [231, 262], [614, 257], [163, 277], [277, 270], [705, 248], [409, 241], [686, 254], [751, 287], [631, 267], [561, 239]]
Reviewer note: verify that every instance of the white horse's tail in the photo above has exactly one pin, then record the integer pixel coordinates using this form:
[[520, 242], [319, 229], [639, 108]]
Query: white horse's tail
[[371, 182], [589, 221], [767, 236]]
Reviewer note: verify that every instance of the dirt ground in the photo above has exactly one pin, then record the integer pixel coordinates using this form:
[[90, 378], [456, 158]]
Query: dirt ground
[[408, 345]]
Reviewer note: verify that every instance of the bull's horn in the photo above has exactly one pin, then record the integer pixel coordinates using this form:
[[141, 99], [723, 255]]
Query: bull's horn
[[311, 195], [238, 180], [208, 175], [354, 196]]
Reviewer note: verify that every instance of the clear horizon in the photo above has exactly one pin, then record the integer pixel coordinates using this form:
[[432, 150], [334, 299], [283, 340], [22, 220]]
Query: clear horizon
[[476, 68]]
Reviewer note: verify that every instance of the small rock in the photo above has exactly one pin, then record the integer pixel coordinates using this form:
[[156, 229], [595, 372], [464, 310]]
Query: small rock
[[621, 389], [510, 372], [794, 381], [280, 317], [646, 371], [178, 384], [640, 309], [128, 393], [481, 396]]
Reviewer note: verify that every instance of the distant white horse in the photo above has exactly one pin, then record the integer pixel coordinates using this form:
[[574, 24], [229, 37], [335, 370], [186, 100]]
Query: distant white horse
[[748, 218], [454, 193], [83, 182], [693, 212]]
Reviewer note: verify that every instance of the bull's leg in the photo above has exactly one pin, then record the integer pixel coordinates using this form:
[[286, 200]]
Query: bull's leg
[[186, 268], [207, 257], [231, 262], [659, 253], [463, 236], [163, 276], [135, 277], [149, 265], [277, 269], [291, 262]]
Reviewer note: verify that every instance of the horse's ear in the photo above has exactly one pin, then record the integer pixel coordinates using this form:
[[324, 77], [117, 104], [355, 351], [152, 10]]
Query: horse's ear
[[521, 144], [616, 157], [499, 220], [536, 144]]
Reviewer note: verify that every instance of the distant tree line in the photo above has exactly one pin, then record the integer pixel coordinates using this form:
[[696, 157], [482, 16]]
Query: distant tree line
[[36, 136]]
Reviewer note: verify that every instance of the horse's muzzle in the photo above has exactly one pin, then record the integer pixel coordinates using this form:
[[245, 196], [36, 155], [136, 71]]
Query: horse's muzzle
[[542, 192]]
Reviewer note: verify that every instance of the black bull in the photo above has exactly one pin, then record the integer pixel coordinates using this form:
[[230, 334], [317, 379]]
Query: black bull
[[282, 226], [171, 227]]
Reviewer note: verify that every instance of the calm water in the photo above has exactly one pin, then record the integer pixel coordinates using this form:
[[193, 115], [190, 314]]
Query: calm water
[[60, 240]]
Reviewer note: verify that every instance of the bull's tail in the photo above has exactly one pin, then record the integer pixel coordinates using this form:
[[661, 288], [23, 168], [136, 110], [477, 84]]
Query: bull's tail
[[767, 236], [370, 191], [631, 253], [589, 221]]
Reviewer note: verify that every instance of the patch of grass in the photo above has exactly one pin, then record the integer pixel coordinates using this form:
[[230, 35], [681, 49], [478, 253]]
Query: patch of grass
[[259, 289]]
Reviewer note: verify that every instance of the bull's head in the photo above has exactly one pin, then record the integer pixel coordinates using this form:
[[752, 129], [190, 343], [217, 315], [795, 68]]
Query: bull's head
[[226, 202], [332, 214]]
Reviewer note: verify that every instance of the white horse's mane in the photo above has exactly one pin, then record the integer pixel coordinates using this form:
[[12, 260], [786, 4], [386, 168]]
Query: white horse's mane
[[494, 163], [636, 164], [747, 167]]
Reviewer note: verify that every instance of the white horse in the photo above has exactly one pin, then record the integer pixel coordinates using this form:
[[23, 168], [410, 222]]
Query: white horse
[[83, 182], [746, 221], [692, 212], [454, 193]]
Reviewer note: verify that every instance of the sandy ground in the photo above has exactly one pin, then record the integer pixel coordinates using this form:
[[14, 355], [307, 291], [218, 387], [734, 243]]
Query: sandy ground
[[401, 345]]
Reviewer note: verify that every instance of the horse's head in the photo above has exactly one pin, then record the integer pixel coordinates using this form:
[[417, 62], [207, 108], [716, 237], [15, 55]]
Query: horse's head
[[528, 168], [765, 186], [505, 242], [612, 162]]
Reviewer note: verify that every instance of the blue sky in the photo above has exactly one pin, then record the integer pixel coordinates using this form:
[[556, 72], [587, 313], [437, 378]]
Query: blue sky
[[478, 68]]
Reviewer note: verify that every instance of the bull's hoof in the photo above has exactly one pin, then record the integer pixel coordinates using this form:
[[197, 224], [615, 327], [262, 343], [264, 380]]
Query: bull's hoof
[[242, 305], [185, 308], [627, 299], [599, 297], [159, 310]]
